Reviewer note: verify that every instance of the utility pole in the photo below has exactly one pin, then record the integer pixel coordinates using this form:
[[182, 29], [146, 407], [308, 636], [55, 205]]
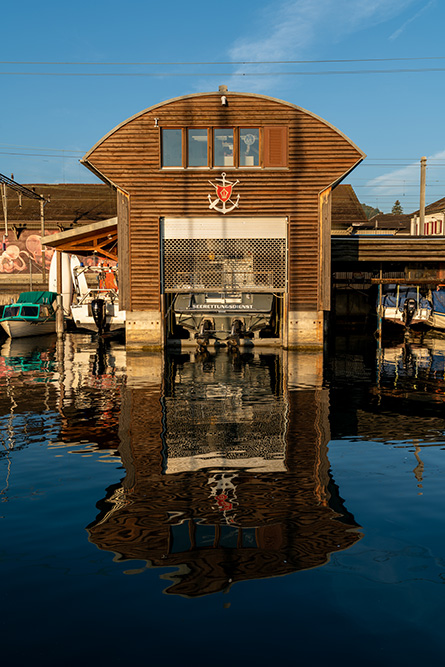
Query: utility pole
[[422, 196], [5, 207], [42, 237]]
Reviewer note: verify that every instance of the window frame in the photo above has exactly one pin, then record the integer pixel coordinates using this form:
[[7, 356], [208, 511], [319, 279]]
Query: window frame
[[161, 146], [186, 131], [260, 148], [262, 161], [214, 129]]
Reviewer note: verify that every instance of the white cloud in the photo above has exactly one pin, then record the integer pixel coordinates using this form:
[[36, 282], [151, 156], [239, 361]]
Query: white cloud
[[394, 182], [399, 31], [295, 29]]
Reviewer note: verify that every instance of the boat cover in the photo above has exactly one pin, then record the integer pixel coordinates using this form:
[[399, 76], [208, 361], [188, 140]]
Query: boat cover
[[389, 296], [439, 301], [37, 297]]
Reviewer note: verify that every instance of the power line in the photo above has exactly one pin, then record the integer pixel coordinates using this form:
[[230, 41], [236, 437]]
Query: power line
[[410, 161], [69, 157], [224, 62], [40, 148], [228, 74], [5, 181], [370, 161], [401, 166]]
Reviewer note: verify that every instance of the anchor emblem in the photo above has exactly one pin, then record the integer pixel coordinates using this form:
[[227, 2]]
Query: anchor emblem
[[223, 195]]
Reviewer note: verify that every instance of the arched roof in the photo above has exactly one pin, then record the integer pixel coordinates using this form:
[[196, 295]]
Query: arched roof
[[218, 93]]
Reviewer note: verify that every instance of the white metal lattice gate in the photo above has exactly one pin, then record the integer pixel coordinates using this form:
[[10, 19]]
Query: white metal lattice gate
[[236, 254]]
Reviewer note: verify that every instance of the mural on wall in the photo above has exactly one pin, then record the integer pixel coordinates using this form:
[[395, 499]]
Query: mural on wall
[[24, 255]]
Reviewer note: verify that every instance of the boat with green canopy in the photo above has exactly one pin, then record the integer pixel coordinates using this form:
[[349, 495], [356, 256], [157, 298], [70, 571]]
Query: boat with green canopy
[[33, 314]]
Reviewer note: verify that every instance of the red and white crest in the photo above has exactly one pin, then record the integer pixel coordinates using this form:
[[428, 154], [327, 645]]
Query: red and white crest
[[223, 195], [224, 192]]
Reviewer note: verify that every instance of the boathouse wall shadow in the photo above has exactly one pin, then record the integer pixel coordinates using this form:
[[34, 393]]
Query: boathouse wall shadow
[[227, 472]]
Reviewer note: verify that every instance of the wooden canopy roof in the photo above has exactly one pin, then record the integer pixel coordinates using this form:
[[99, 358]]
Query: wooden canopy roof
[[100, 237]]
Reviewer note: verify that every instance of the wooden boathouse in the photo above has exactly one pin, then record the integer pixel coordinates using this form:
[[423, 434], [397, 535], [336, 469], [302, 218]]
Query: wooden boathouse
[[220, 181]]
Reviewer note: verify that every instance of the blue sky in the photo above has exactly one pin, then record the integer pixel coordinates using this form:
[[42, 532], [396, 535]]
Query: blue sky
[[48, 122]]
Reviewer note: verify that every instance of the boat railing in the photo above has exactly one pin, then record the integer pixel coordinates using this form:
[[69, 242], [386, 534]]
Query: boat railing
[[97, 293]]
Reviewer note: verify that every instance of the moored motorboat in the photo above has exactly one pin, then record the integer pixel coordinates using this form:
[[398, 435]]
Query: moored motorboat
[[33, 314], [97, 308], [404, 305], [437, 317], [224, 317]]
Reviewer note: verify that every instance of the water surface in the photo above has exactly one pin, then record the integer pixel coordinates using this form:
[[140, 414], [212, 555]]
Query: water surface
[[255, 508]]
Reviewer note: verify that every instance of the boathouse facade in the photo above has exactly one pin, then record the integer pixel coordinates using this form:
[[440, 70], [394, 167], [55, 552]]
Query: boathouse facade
[[217, 183]]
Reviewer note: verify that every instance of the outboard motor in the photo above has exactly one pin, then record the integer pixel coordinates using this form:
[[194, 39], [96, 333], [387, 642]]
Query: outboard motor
[[98, 312], [236, 331], [409, 309], [205, 329]]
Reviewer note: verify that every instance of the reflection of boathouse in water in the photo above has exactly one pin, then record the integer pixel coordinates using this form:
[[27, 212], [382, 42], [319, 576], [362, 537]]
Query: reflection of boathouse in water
[[227, 475]]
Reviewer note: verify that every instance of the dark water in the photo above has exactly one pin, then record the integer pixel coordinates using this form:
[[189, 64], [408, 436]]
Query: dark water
[[253, 509]]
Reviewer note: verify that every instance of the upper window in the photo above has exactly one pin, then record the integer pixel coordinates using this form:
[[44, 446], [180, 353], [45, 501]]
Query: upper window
[[223, 155], [172, 148], [197, 151], [222, 147], [249, 147]]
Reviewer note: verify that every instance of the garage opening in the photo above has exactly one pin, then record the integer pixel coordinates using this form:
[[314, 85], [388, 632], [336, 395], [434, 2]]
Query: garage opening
[[224, 279]]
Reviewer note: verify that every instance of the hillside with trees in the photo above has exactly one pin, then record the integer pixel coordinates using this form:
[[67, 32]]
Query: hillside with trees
[[370, 211]]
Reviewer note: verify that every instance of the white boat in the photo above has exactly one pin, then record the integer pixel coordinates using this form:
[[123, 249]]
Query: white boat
[[97, 308], [66, 289], [224, 317], [437, 318], [405, 305], [33, 314]]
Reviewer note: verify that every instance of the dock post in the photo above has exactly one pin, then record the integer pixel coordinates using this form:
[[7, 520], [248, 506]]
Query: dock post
[[60, 322], [379, 314], [379, 328]]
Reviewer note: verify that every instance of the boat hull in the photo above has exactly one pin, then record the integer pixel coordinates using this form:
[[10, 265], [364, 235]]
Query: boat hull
[[223, 317], [422, 317], [23, 329], [83, 318], [437, 320]]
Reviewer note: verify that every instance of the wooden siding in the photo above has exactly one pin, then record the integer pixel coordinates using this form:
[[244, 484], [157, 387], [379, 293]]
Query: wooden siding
[[389, 249], [123, 236], [325, 250], [318, 155]]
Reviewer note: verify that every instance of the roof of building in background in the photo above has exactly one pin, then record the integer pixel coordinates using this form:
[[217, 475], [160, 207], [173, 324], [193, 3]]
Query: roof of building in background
[[73, 204], [346, 208], [396, 221], [436, 207], [69, 205], [76, 204]]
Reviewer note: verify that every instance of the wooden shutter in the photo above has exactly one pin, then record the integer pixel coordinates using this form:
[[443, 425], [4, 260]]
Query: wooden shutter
[[275, 146]]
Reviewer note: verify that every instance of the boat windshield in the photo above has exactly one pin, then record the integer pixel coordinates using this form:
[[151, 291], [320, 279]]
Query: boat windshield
[[30, 311], [11, 311]]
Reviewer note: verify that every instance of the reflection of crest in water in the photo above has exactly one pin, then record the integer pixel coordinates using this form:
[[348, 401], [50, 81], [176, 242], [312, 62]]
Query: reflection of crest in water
[[223, 491]]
